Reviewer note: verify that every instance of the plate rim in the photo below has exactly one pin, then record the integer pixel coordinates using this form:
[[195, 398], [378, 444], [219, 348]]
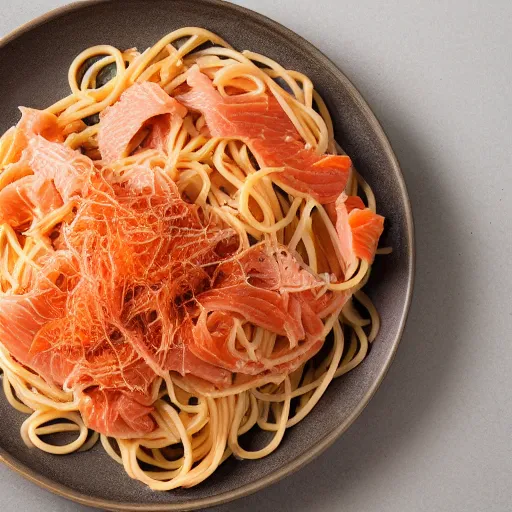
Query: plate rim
[[299, 462]]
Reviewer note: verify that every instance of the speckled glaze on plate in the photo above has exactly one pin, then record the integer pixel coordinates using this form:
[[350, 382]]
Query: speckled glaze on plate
[[34, 60]]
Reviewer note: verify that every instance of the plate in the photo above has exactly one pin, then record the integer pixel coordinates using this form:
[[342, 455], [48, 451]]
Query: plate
[[34, 60]]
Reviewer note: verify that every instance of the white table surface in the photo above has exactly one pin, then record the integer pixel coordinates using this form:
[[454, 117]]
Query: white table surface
[[438, 434]]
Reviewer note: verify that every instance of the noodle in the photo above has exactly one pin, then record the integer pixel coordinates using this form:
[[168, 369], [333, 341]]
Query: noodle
[[198, 428]]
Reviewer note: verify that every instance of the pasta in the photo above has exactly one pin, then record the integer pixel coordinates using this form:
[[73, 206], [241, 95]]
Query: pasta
[[197, 426]]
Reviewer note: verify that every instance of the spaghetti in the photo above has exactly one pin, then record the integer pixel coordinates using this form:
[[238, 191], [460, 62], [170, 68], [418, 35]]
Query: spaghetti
[[243, 210]]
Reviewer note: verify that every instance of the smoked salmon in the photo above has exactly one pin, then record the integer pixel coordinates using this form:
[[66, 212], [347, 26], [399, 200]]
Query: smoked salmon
[[21, 318], [67, 168], [120, 123], [33, 123], [358, 229], [111, 411], [26, 199], [273, 139], [353, 202], [366, 228], [268, 288]]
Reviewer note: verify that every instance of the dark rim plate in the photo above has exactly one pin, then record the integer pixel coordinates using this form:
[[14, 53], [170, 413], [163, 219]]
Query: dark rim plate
[[34, 60]]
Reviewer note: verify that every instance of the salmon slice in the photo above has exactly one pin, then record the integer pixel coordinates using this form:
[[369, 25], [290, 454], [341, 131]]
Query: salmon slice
[[286, 314], [254, 266], [40, 122], [268, 288], [21, 318], [115, 414], [366, 229], [34, 123], [275, 269], [267, 267], [264, 308], [262, 123], [120, 122], [69, 169], [209, 339], [185, 362], [348, 256], [60, 173], [353, 202], [305, 171], [159, 128], [358, 230], [27, 199]]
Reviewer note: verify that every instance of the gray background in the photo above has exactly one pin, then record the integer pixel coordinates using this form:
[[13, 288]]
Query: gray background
[[438, 434]]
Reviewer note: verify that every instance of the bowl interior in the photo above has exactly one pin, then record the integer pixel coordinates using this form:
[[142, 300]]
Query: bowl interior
[[34, 66]]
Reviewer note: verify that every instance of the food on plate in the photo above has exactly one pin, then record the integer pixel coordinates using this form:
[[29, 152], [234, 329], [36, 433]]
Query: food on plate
[[183, 252]]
